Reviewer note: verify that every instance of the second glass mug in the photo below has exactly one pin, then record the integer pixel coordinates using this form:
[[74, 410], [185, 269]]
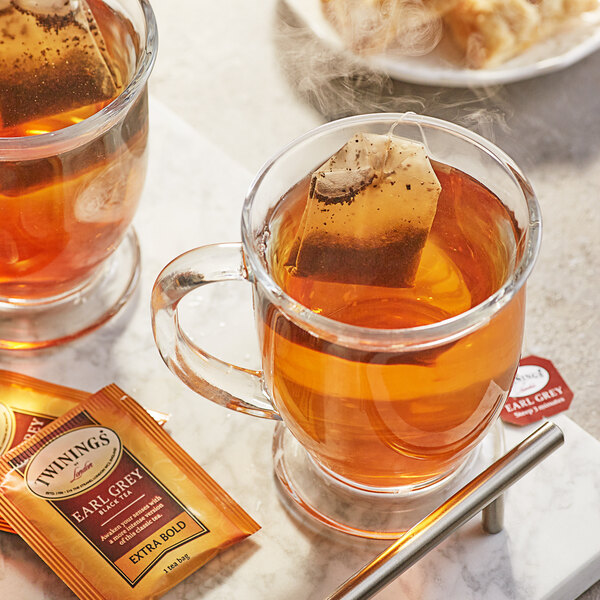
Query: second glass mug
[[70, 184], [381, 412]]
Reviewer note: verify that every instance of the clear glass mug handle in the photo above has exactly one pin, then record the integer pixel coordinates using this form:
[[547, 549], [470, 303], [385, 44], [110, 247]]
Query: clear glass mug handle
[[226, 384]]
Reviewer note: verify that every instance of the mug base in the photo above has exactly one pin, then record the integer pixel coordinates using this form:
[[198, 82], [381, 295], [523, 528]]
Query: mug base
[[310, 491], [60, 320]]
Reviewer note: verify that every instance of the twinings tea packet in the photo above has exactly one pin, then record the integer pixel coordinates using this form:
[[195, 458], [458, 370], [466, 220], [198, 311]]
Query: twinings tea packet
[[28, 404], [369, 211], [113, 505], [53, 58]]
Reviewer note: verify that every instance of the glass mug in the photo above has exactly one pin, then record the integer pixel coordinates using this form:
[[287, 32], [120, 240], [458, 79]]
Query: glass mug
[[374, 412], [70, 182]]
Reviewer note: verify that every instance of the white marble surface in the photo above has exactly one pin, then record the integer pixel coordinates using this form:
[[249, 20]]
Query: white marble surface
[[193, 196], [242, 74], [248, 82]]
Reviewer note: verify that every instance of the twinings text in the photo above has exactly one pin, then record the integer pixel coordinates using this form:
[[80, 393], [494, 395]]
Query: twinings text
[[68, 458]]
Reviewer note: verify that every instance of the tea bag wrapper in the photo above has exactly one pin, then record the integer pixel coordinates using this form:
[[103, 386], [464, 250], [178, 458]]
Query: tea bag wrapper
[[369, 212], [53, 58], [27, 405], [113, 505]]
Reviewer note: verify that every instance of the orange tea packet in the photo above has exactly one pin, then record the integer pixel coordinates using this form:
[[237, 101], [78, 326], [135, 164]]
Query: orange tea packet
[[113, 505], [28, 404]]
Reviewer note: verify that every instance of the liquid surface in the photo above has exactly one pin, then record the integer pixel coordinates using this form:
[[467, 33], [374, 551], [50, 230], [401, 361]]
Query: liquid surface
[[466, 258]]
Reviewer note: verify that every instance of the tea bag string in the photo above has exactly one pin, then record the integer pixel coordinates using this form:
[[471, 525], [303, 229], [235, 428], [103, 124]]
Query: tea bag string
[[403, 119]]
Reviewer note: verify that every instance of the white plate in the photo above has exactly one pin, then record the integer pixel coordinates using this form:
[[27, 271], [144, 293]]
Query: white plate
[[441, 67]]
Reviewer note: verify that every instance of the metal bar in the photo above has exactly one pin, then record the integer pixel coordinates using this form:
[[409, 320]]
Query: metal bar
[[456, 511], [492, 516]]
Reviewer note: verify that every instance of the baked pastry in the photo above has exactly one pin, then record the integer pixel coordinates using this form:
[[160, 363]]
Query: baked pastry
[[370, 26], [492, 31], [488, 31]]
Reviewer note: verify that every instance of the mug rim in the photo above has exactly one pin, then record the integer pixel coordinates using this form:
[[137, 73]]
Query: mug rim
[[21, 147], [424, 336]]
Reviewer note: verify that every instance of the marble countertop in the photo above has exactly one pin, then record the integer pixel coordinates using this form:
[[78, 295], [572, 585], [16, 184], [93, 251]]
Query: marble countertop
[[247, 81], [259, 80]]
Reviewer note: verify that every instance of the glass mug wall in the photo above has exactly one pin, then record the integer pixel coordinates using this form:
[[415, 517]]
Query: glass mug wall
[[388, 390], [73, 138]]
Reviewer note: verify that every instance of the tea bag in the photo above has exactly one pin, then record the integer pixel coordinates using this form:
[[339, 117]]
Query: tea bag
[[53, 58], [369, 211]]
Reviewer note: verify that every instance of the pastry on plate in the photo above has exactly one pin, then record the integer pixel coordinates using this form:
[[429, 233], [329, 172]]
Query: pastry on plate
[[370, 26], [489, 32], [493, 31]]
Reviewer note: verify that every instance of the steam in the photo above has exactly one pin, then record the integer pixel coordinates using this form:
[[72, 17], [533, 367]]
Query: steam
[[338, 83]]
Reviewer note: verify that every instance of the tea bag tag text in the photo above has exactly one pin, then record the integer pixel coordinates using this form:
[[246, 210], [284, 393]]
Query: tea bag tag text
[[538, 391]]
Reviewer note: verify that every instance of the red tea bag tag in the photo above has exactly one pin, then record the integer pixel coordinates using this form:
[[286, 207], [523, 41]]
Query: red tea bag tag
[[538, 391]]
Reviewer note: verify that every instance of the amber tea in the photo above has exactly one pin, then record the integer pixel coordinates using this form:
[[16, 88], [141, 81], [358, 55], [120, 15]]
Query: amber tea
[[388, 294], [385, 419], [64, 214]]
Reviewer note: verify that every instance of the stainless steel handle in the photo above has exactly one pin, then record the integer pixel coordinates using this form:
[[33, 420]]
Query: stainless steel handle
[[453, 513]]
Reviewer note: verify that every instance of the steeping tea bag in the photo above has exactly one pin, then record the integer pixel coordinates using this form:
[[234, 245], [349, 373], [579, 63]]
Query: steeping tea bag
[[53, 58], [369, 211]]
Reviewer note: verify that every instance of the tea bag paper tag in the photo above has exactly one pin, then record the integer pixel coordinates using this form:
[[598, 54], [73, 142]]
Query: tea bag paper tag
[[369, 211], [538, 391]]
